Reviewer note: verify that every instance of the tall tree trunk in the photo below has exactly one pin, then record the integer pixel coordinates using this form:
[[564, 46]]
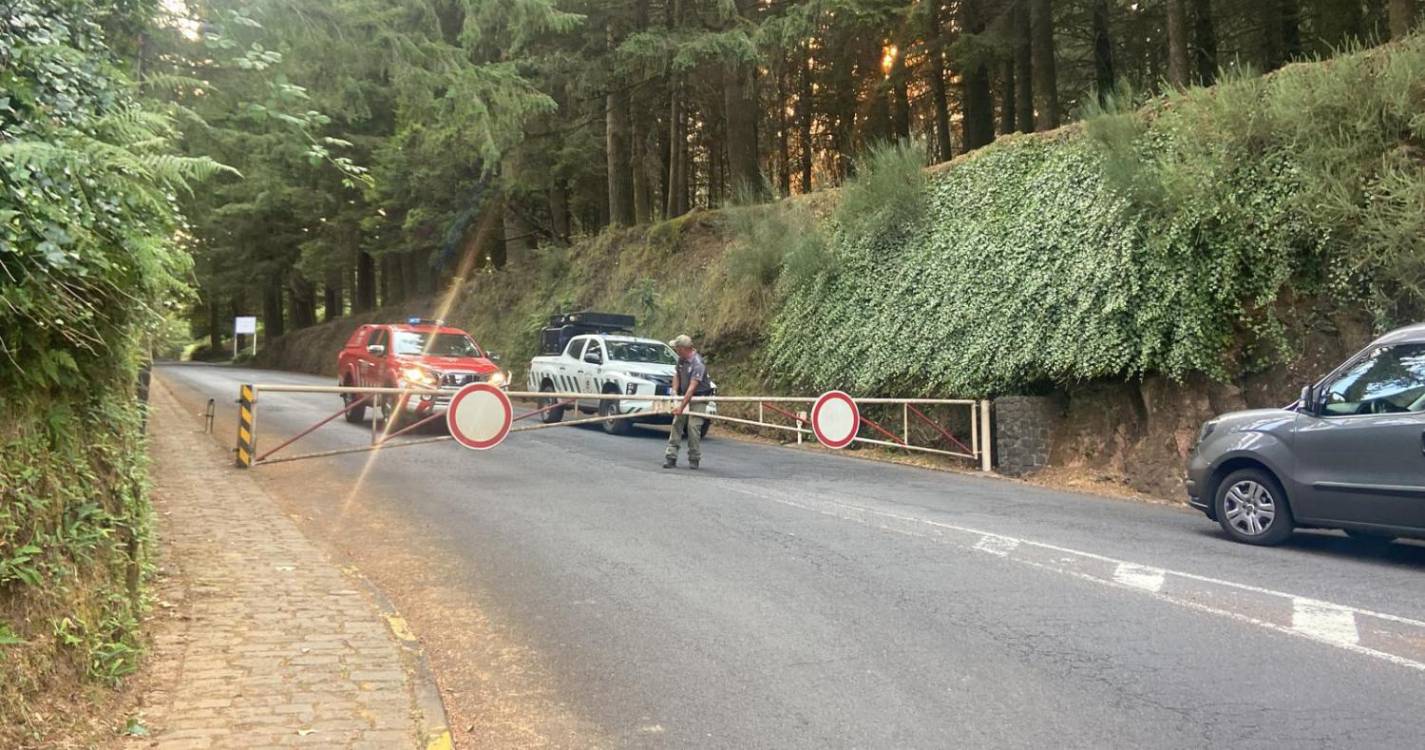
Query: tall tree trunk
[[1177, 44], [1402, 18], [1204, 42], [1279, 32], [215, 327], [641, 127], [559, 209], [677, 190], [332, 303], [383, 277], [900, 95], [784, 149], [617, 138], [396, 270], [878, 120], [519, 235], [935, 68], [304, 302], [1046, 80], [411, 274], [1023, 67], [273, 323], [978, 104], [365, 299], [1104, 76], [739, 87], [1007, 97], [804, 117]]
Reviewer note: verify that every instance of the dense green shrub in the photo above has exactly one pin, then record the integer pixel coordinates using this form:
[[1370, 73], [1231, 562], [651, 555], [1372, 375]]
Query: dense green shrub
[[1162, 241], [88, 182]]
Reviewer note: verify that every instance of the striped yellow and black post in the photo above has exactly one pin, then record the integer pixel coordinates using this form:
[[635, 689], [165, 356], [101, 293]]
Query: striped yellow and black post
[[247, 436]]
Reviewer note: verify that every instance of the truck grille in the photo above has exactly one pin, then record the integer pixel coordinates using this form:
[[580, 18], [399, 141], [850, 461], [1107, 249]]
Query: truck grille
[[458, 379]]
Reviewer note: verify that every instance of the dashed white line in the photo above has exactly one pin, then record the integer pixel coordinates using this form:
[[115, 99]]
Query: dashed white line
[[1318, 621], [1139, 576], [997, 545], [1324, 621]]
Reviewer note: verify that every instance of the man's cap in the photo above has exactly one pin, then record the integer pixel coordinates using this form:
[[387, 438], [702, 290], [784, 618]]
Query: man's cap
[[682, 341]]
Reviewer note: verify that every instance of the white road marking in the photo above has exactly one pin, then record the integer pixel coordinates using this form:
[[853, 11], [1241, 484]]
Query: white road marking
[[996, 545], [1324, 621], [1139, 577]]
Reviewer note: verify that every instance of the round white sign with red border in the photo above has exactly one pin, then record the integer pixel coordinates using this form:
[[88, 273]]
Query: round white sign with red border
[[479, 416], [835, 419]]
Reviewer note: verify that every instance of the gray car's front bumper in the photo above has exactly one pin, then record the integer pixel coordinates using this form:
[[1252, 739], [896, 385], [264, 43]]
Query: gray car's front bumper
[[1197, 474]]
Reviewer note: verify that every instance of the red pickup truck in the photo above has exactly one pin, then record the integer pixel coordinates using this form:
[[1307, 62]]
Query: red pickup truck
[[419, 353]]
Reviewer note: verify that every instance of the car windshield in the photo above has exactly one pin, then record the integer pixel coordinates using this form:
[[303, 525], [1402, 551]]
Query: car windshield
[[651, 352], [437, 345]]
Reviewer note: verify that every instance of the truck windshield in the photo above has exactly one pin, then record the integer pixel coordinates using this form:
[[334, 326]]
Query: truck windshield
[[641, 351], [436, 345]]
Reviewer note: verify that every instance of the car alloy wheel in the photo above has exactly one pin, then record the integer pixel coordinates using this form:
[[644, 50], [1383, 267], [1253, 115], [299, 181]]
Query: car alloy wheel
[[1252, 508]]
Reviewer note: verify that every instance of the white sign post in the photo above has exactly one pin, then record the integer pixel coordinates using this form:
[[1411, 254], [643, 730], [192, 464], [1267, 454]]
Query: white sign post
[[244, 324]]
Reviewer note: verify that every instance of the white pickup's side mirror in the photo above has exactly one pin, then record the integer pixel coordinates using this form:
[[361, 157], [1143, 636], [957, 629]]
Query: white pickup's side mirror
[[593, 358], [377, 350]]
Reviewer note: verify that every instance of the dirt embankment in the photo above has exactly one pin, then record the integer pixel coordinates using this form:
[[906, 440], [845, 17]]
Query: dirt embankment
[[673, 277]]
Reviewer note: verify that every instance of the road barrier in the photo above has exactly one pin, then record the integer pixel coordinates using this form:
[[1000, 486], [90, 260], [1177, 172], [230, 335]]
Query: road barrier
[[919, 432]]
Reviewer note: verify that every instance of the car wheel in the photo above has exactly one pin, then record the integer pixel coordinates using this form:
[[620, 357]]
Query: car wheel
[[1370, 537], [704, 427], [553, 415], [607, 408], [358, 414], [1252, 508], [391, 411]]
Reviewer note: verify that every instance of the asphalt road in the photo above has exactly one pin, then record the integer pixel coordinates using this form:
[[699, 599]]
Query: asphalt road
[[792, 598]]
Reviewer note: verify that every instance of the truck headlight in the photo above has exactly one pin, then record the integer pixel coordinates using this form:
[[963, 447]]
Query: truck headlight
[[498, 379], [417, 376]]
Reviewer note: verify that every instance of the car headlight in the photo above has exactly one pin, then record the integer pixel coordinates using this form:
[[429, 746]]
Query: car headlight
[[498, 378], [1207, 428], [417, 376]]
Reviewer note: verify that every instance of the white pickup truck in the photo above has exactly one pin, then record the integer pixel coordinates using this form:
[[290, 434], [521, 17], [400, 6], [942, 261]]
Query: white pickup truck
[[605, 363]]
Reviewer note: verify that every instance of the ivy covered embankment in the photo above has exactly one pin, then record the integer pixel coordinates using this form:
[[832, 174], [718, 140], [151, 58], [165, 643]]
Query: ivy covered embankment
[[88, 185], [1182, 239]]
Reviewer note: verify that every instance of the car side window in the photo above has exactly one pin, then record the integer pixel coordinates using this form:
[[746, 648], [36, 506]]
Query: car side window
[[1388, 380], [575, 348], [596, 348]]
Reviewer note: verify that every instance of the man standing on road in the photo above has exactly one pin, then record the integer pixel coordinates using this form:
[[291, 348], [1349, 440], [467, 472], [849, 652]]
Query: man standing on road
[[689, 379]]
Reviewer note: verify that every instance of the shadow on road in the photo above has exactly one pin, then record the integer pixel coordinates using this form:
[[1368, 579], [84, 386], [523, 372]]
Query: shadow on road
[[1402, 553]]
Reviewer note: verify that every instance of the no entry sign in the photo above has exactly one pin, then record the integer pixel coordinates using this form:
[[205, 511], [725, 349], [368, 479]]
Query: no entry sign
[[835, 419], [479, 416]]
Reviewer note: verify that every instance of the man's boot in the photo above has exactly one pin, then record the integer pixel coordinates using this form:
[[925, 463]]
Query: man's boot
[[693, 463], [670, 462]]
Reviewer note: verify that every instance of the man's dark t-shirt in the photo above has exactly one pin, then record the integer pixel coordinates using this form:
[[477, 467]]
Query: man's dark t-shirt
[[690, 369]]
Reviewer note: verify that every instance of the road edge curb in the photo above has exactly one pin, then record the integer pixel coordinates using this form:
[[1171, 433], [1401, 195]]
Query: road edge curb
[[433, 722]]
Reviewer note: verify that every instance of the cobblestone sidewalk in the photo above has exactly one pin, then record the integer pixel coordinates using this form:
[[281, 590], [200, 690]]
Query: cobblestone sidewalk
[[273, 645]]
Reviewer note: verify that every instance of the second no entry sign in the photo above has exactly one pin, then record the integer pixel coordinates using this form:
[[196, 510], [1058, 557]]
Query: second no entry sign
[[835, 419], [479, 416]]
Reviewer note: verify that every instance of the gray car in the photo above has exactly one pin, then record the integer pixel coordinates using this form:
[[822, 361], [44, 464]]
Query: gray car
[[1349, 454]]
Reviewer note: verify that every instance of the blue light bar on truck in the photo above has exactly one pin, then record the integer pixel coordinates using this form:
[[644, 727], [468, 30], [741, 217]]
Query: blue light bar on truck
[[424, 322]]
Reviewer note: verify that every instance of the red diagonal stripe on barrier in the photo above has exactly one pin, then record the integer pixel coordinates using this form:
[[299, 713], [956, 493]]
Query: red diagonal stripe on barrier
[[425, 420], [359, 402], [883, 431], [783, 412], [944, 432], [544, 409]]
